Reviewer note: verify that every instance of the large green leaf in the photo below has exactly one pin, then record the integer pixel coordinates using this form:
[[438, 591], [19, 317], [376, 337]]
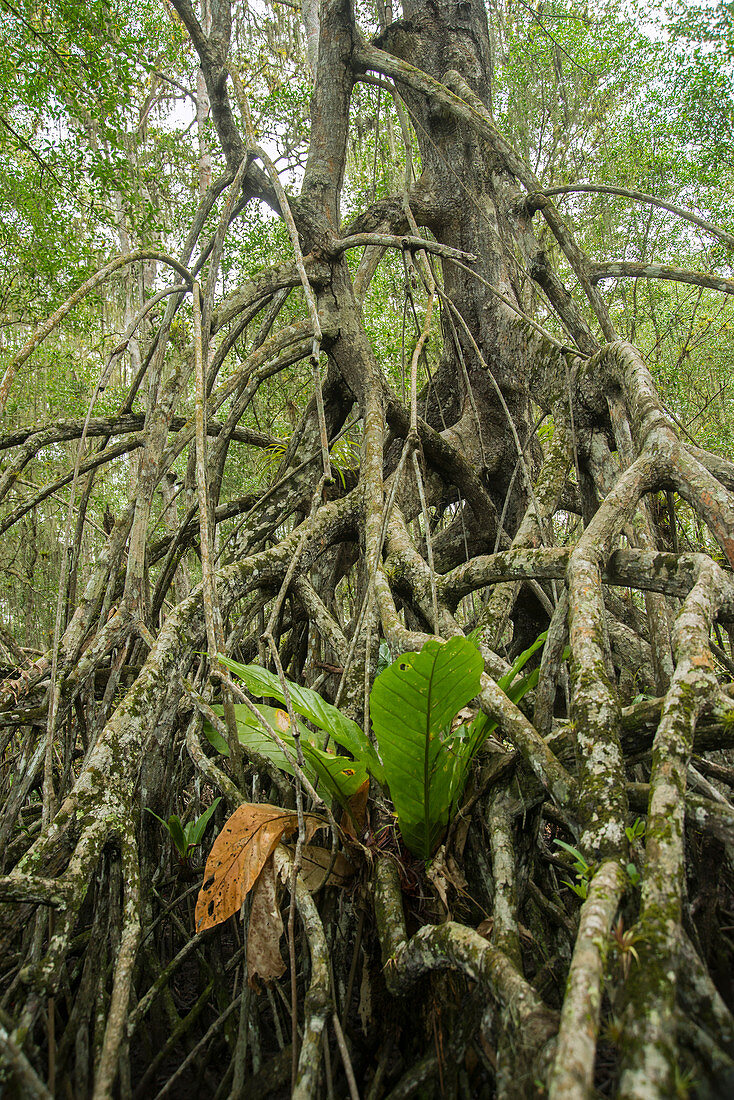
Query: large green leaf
[[253, 735], [412, 705], [309, 704], [341, 776]]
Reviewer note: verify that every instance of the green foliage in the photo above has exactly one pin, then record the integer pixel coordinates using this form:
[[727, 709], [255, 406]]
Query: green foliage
[[345, 453], [72, 80], [341, 776], [412, 706], [684, 1082], [634, 833], [424, 757], [597, 94], [584, 871], [383, 658], [633, 874], [97, 147], [309, 704], [702, 35], [188, 836]]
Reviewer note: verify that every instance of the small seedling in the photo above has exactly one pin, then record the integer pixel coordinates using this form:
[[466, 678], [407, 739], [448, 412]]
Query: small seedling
[[185, 837], [636, 831], [684, 1082], [624, 943], [584, 870]]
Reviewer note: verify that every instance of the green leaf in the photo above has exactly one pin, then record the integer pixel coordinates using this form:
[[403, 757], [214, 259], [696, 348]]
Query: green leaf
[[580, 861], [383, 659], [251, 734], [155, 815], [519, 664], [412, 704], [196, 829], [514, 689], [341, 776], [178, 837], [215, 739], [174, 829], [309, 704]]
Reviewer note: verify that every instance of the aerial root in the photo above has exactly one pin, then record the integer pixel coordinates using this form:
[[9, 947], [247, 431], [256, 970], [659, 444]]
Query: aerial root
[[572, 1075], [317, 1003], [115, 1030], [528, 1027], [650, 1051]]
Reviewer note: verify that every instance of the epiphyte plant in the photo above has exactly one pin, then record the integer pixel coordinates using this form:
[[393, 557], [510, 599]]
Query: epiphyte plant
[[421, 758]]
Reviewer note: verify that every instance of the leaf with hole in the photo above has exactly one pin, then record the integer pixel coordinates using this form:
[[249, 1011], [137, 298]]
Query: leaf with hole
[[309, 704], [238, 855], [341, 776]]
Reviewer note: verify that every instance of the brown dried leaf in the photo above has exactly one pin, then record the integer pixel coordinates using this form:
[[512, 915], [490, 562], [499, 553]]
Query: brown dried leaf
[[315, 864], [444, 872], [436, 873], [237, 857], [353, 820], [265, 929]]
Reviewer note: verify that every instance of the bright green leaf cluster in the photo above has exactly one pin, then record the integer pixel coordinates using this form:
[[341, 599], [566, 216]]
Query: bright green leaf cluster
[[412, 705], [424, 759]]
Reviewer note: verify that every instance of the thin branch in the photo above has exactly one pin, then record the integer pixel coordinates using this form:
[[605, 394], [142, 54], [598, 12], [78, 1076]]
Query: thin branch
[[52, 322], [625, 269], [637, 196]]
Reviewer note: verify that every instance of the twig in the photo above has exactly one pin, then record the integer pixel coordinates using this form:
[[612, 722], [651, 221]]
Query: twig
[[346, 1060], [212, 614]]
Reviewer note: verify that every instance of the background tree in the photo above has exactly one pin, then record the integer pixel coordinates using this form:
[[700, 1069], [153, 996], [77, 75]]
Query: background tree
[[320, 345]]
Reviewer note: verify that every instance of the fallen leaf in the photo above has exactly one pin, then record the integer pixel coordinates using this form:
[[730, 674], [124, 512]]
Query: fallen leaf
[[436, 873], [264, 960], [354, 818], [444, 872], [239, 854], [315, 864]]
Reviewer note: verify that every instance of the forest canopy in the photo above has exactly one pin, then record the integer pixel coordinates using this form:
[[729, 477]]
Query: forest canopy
[[366, 597]]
